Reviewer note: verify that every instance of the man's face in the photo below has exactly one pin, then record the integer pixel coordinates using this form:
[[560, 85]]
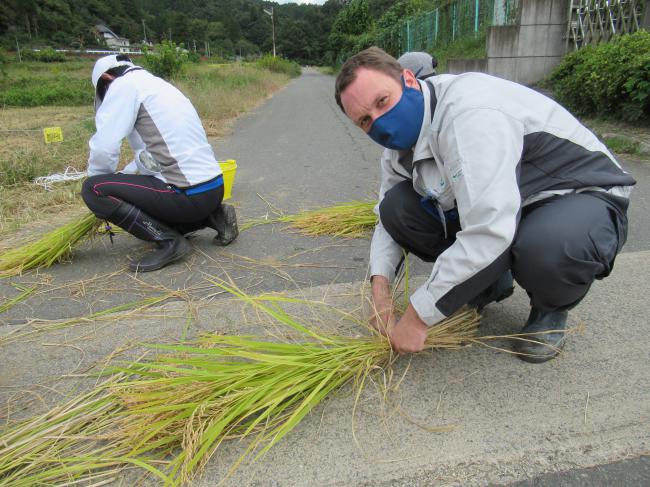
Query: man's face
[[372, 94]]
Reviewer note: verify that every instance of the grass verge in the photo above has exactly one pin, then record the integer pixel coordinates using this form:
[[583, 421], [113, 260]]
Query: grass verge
[[622, 137]]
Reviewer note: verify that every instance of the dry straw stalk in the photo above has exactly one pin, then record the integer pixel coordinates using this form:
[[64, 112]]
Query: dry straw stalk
[[169, 414], [353, 219]]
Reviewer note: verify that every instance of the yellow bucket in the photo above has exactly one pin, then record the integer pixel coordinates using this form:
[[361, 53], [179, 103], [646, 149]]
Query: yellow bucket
[[228, 168]]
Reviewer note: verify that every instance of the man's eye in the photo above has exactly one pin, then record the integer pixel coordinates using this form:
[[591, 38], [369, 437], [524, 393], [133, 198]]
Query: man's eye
[[382, 101]]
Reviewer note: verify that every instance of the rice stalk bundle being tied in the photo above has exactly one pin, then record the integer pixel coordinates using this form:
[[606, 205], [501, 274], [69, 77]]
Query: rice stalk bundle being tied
[[52, 247], [353, 219], [171, 413]]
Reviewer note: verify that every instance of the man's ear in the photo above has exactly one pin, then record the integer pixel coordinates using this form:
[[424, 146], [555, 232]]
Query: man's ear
[[107, 77], [410, 80]]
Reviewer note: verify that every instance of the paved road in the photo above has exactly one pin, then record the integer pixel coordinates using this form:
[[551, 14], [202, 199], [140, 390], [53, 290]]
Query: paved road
[[298, 151]]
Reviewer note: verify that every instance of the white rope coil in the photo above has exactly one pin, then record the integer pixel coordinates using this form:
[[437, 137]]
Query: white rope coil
[[70, 174]]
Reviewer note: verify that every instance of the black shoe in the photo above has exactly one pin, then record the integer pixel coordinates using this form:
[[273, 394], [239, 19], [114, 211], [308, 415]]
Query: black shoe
[[224, 221], [497, 291], [172, 246], [546, 336], [168, 251]]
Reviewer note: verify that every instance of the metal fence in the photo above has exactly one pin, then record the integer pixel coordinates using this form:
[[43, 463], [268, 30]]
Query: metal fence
[[448, 23], [595, 21]]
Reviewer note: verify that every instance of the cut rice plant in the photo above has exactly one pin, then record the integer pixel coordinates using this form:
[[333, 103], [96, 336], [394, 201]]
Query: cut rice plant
[[169, 414], [24, 294], [36, 327], [353, 219], [70, 442], [53, 247]]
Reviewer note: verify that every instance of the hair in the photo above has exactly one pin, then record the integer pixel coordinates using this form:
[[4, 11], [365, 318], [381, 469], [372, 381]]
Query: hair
[[103, 84], [371, 58]]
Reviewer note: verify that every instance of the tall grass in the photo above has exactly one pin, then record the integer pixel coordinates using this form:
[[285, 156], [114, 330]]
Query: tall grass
[[279, 65], [25, 156]]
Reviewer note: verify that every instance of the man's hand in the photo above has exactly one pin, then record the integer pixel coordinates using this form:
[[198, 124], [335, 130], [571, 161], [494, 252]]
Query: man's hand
[[382, 300], [409, 334]]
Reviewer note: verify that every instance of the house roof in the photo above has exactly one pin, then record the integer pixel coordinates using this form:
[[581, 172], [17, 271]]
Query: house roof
[[105, 30]]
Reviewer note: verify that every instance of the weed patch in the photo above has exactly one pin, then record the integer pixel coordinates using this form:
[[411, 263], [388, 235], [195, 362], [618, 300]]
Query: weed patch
[[466, 48], [279, 65], [32, 84]]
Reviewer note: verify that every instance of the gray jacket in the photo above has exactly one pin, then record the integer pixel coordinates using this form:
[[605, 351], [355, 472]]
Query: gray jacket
[[489, 147]]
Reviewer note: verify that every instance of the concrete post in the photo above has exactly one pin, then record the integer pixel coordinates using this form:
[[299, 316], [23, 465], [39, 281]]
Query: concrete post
[[645, 19]]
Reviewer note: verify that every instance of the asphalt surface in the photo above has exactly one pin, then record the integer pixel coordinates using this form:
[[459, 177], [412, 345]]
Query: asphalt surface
[[298, 151]]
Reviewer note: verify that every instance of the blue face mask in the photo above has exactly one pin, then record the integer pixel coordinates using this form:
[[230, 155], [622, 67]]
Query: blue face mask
[[400, 126]]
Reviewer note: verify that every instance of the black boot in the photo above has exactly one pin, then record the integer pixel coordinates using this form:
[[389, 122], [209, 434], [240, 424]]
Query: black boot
[[171, 245], [546, 336], [224, 221], [497, 291], [187, 229]]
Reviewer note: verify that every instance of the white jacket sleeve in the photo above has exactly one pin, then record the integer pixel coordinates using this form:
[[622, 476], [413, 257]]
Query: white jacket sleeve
[[130, 168], [385, 253], [481, 149], [114, 121]]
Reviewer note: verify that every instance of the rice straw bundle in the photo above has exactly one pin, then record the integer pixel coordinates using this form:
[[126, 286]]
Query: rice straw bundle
[[353, 219], [53, 247], [170, 414]]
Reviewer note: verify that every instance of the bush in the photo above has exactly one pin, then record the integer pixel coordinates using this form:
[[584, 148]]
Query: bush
[[46, 55], [611, 79], [194, 57], [279, 65], [166, 60]]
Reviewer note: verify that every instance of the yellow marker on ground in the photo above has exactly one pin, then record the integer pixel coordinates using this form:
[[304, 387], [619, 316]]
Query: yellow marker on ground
[[52, 134]]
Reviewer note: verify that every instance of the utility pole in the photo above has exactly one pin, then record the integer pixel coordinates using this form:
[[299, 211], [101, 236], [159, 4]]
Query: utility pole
[[270, 12], [144, 30]]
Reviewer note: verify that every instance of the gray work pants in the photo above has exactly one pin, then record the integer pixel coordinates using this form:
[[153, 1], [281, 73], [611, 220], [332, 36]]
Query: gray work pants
[[562, 243]]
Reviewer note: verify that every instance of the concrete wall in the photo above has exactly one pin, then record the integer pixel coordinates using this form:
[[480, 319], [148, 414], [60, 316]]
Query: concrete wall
[[467, 65], [526, 52]]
